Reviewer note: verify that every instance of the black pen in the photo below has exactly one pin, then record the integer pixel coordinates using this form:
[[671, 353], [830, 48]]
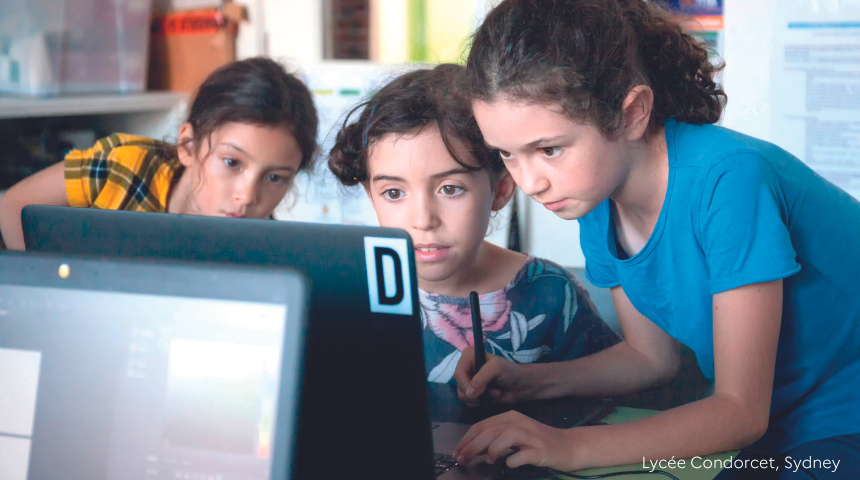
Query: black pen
[[478, 334]]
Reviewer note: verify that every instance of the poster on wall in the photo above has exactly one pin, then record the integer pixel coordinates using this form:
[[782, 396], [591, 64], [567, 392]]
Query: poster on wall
[[704, 20], [815, 91]]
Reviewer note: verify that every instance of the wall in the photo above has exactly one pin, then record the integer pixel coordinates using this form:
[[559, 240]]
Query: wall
[[294, 31]]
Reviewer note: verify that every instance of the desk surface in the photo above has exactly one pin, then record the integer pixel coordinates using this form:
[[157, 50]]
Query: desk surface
[[689, 471], [689, 386]]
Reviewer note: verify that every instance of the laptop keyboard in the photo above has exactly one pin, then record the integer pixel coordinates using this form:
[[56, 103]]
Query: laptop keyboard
[[444, 463]]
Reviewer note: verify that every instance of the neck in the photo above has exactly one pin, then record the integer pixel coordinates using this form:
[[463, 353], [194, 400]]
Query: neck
[[643, 191], [177, 200]]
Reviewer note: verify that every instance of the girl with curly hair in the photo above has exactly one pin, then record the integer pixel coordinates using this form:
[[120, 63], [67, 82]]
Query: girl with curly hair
[[603, 111], [418, 153]]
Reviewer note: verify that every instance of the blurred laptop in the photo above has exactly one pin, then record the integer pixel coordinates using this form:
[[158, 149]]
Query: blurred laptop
[[364, 392], [113, 369]]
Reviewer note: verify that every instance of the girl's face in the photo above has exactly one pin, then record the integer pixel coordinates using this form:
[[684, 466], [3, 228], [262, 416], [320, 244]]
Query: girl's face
[[243, 171], [567, 166], [415, 184]]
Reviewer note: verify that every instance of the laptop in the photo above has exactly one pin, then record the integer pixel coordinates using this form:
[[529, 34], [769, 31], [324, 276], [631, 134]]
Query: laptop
[[364, 393], [116, 370]]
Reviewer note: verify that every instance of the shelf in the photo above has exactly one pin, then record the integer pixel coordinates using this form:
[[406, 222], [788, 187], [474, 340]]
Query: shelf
[[97, 104]]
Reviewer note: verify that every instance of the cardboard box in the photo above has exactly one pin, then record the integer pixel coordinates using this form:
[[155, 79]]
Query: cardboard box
[[187, 46]]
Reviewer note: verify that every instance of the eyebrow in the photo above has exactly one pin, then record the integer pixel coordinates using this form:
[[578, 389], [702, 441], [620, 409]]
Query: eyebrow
[[237, 148], [545, 141], [453, 171], [534, 144]]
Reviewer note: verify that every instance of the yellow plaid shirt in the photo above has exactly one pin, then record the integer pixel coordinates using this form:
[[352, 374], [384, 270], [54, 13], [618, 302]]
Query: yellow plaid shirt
[[122, 172]]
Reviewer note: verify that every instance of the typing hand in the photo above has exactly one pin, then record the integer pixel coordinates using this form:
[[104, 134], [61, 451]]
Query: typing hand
[[532, 443], [508, 383]]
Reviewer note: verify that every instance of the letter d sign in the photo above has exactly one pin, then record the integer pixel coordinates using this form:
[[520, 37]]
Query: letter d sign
[[388, 275]]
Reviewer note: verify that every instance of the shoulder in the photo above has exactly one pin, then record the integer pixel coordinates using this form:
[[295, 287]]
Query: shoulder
[[105, 174], [542, 278], [125, 150], [716, 149]]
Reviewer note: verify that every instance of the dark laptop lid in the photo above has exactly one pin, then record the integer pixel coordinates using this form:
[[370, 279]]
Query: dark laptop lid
[[113, 369], [364, 400]]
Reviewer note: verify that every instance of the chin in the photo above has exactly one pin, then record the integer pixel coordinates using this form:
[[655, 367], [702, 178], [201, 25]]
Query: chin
[[575, 212], [433, 274]]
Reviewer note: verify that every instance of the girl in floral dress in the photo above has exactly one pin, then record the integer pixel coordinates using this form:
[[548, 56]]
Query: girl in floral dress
[[418, 153]]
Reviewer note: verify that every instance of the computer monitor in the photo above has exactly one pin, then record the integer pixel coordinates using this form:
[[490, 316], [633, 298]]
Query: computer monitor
[[364, 391], [114, 370]]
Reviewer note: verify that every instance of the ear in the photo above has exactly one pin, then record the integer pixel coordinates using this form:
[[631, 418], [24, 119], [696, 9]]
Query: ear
[[505, 189], [185, 148], [636, 110]]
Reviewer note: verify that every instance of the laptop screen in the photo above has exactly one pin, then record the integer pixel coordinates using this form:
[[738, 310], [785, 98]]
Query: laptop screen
[[110, 385]]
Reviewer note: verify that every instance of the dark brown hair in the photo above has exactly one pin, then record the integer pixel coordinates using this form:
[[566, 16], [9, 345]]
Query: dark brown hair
[[407, 105], [586, 55], [257, 91]]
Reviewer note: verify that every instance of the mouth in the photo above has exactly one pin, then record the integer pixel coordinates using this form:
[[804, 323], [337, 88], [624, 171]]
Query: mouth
[[430, 252], [553, 206]]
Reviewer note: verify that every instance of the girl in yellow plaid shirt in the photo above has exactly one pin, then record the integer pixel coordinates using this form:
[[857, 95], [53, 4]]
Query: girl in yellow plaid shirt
[[251, 128]]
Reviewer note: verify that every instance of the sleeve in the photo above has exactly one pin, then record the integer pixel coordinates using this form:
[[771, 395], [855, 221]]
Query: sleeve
[[743, 218], [86, 172], [599, 265], [554, 318], [583, 330]]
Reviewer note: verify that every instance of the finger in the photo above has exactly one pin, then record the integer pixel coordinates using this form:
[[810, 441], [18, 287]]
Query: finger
[[489, 372], [464, 371], [478, 445], [513, 437], [500, 396], [484, 425], [526, 456]]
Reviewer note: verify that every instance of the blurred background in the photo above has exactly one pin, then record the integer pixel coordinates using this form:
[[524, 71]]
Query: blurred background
[[72, 71]]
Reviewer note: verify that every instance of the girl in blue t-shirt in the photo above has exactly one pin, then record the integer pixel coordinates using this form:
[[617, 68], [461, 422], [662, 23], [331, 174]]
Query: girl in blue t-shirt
[[418, 153], [602, 110]]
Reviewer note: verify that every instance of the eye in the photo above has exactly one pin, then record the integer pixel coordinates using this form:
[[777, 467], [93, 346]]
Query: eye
[[550, 152], [276, 178], [451, 190], [231, 163], [505, 155], [392, 194]]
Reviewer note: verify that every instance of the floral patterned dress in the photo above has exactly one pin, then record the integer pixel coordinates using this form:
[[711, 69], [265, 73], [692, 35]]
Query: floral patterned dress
[[543, 315]]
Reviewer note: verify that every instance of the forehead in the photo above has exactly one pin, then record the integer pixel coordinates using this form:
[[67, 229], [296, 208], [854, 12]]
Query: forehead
[[422, 153], [515, 122], [266, 144]]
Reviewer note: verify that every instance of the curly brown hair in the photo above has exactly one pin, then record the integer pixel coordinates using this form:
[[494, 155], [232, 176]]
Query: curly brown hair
[[586, 56], [407, 105]]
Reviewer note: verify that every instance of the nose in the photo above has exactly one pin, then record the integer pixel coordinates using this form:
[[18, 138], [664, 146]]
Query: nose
[[245, 191], [531, 180], [422, 214]]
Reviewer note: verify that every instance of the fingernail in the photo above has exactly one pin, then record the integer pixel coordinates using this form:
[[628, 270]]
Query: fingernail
[[470, 392], [461, 459]]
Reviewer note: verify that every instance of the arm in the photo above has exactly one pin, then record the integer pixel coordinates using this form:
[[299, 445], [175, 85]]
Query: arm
[[647, 357], [47, 187], [746, 332]]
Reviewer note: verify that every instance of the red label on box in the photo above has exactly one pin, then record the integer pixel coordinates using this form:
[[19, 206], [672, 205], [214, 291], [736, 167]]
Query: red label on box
[[196, 23]]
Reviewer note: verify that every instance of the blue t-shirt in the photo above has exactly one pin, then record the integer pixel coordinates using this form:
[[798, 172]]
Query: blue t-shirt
[[740, 211]]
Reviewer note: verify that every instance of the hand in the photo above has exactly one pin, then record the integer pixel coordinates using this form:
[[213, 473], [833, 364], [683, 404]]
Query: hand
[[532, 442], [510, 382]]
